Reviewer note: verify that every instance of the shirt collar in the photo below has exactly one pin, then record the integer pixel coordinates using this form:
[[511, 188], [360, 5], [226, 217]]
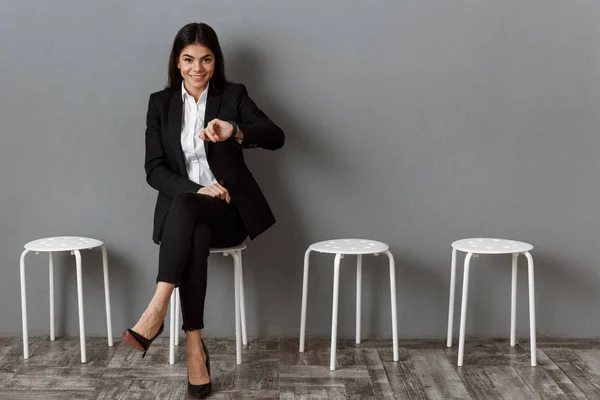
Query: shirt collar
[[185, 94]]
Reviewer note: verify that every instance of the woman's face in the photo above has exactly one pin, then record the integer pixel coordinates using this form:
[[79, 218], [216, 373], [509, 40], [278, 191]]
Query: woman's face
[[197, 64]]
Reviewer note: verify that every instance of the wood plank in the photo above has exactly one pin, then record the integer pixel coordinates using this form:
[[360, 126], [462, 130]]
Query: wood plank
[[440, 380], [568, 344], [508, 383], [402, 377], [319, 393], [478, 383], [544, 378], [253, 375], [379, 381], [317, 352], [579, 367], [567, 386], [75, 378], [45, 395]]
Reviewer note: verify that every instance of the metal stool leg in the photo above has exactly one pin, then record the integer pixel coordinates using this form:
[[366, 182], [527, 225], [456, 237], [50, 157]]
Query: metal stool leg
[[80, 305], [451, 300], [238, 331], [242, 301], [463, 311], [531, 310], [24, 306], [304, 300], [51, 291], [174, 296], [358, 295], [177, 313], [393, 300], [107, 296], [334, 310], [513, 300]]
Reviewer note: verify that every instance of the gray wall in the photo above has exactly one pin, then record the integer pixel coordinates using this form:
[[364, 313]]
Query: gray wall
[[415, 123]]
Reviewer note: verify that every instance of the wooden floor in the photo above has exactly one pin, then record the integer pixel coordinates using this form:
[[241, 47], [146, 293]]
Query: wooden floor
[[273, 369]]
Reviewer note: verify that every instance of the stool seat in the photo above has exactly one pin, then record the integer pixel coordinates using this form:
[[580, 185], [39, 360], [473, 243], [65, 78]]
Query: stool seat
[[239, 247], [491, 246], [63, 243], [349, 246]]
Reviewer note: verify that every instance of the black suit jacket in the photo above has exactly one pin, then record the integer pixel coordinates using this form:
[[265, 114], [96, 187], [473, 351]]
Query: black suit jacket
[[165, 163]]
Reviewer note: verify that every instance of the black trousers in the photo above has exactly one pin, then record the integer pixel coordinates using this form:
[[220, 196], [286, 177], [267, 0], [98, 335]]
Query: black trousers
[[195, 223]]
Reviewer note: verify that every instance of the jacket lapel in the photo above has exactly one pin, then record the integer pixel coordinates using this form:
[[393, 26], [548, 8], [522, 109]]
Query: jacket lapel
[[175, 118], [212, 108]]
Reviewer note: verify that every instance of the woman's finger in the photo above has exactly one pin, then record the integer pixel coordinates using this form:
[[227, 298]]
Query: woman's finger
[[205, 132], [220, 187], [203, 135], [212, 132], [212, 192], [207, 192], [220, 190], [225, 192]]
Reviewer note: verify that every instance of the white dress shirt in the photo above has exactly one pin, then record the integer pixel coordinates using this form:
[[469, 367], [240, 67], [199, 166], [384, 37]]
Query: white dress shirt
[[193, 147]]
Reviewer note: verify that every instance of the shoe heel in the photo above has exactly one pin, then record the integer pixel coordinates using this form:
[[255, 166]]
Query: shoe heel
[[139, 342]]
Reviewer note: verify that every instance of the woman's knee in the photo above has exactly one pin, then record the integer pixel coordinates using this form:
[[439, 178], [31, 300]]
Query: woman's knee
[[186, 206]]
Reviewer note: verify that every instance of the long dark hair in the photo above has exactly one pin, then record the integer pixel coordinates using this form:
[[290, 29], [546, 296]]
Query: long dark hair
[[204, 35]]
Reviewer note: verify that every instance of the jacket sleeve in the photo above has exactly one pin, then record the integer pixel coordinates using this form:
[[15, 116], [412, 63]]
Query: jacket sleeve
[[258, 129], [159, 174]]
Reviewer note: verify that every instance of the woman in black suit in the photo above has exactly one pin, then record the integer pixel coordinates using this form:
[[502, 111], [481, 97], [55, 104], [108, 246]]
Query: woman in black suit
[[196, 130]]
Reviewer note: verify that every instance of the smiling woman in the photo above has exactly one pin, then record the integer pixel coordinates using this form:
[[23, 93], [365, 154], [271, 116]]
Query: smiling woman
[[196, 129]]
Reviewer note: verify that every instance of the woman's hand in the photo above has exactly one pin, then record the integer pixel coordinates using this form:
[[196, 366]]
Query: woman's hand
[[216, 190], [217, 131]]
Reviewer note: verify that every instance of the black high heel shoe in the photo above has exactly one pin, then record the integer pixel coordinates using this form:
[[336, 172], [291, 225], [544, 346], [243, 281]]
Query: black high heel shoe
[[201, 391], [137, 341]]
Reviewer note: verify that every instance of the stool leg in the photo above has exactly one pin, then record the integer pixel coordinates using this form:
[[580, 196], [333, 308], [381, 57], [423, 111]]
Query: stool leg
[[242, 301], [358, 295], [334, 310], [393, 300], [80, 305], [531, 310], [513, 299], [51, 290], [451, 300], [107, 296], [174, 296], [463, 309], [238, 332], [177, 312], [24, 305], [304, 300]]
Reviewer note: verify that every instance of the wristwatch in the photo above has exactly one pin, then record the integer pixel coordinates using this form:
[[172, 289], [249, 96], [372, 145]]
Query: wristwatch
[[235, 130]]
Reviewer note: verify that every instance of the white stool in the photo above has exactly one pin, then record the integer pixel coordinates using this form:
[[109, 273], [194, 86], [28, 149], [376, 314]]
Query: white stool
[[473, 247], [240, 306], [73, 244], [339, 247]]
